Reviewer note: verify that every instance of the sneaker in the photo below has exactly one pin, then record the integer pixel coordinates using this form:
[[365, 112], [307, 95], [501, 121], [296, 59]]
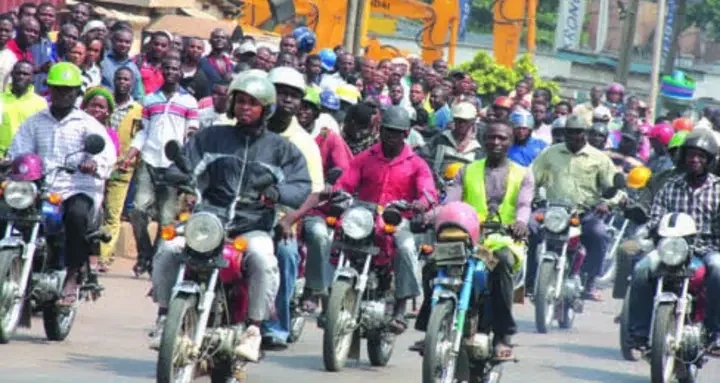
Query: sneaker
[[156, 334], [248, 346]]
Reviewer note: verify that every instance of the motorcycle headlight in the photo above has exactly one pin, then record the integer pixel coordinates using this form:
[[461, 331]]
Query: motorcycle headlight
[[20, 195], [204, 232], [673, 251], [556, 219], [357, 223]]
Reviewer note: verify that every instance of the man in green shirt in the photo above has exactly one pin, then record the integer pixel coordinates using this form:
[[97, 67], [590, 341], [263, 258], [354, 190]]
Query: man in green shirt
[[18, 102]]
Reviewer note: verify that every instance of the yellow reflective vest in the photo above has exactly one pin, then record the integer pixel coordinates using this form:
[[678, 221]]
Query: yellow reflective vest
[[474, 190]]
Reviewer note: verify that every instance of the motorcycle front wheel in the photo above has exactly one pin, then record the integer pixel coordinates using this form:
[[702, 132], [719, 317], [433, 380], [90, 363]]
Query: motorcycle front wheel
[[11, 293], [176, 341], [544, 296], [337, 334], [380, 346], [438, 363], [58, 320], [662, 358]]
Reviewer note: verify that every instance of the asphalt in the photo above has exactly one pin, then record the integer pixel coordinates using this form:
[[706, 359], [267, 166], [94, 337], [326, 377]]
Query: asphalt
[[109, 344]]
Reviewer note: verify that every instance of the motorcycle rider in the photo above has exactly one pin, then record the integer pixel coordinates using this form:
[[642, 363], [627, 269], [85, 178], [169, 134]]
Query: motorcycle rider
[[695, 192], [660, 136], [253, 101], [390, 171], [493, 181], [577, 173], [525, 147], [558, 130], [598, 135], [456, 144], [624, 157], [53, 134], [290, 88]]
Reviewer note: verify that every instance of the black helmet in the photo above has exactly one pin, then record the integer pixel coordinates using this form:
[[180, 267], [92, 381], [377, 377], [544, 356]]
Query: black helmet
[[701, 139], [600, 128], [395, 117]]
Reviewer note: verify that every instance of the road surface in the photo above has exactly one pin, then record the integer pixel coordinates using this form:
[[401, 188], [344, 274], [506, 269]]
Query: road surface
[[109, 344]]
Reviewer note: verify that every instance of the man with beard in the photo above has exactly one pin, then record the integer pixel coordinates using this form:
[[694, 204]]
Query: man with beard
[[80, 14], [288, 44], [290, 88], [345, 67], [525, 147], [18, 102], [150, 64], [390, 171], [696, 193], [456, 145], [577, 173], [28, 32], [119, 56]]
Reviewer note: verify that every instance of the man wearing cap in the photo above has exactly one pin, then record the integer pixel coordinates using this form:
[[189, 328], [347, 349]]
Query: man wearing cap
[[577, 173], [525, 147], [357, 130], [456, 145], [390, 171]]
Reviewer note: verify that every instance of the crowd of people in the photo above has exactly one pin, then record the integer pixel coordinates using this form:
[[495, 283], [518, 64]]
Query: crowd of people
[[394, 127]]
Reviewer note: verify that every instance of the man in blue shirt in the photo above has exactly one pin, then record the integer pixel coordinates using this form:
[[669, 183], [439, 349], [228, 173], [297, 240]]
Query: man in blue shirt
[[526, 147], [441, 115], [118, 57]]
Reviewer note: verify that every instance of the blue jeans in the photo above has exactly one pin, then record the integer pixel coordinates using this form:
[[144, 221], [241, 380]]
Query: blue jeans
[[288, 257], [643, 289], [594, 238]]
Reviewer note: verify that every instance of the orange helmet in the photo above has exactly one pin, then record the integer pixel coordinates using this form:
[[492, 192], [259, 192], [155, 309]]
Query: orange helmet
[[682, 123], [503, 102]]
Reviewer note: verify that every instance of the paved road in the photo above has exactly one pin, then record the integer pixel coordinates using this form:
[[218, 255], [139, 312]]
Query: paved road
[[108, 344]]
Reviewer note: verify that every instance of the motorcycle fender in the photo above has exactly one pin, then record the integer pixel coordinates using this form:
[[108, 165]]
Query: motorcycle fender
[[442, 295], [666, 297], [186, 287], [549, 256], [347, 274], [9, 242]]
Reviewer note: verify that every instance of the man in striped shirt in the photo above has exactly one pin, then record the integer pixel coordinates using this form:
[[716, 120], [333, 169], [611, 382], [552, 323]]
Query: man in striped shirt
[[168, 114], [56, 135]]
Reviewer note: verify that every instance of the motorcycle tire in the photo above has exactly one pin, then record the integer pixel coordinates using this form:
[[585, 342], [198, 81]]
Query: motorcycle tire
[[342, 299], [567, 315], [297, 324], [58, 321], [663, 326], [380, 346], [439, 330], [627, 352], [11, 310], [181, 306], [222, 372], [544, 302]]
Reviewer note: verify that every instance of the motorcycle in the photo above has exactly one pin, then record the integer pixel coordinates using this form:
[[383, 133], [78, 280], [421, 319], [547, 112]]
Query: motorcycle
[[617, 234], [458, 343], [676, 348], [200, 331], [32, 250], [361, 298]]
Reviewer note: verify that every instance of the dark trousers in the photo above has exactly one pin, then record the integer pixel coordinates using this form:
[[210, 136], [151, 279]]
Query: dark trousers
[[78, 220]]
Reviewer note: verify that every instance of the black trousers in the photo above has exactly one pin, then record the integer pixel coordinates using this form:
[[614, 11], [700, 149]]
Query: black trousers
[[78, 221], [501, 296]]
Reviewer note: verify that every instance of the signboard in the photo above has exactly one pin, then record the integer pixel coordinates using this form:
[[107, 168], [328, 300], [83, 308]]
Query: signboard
[[571, 17], [670, 10]]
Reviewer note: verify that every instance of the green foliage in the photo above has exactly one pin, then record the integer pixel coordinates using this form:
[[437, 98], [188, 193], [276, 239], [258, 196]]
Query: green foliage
[[493, 78], [706, 16]]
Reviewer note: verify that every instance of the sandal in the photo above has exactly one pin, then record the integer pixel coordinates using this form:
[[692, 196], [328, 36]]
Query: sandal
[[503, 352], [70, 294], [398, 324]]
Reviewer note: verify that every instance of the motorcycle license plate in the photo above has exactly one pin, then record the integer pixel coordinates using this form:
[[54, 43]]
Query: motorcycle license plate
[[449, 252]]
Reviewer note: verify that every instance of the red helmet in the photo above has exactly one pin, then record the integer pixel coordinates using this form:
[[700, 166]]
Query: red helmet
[[682, 123], [460, 215], [27, 167], [503, 102], [661, 132]]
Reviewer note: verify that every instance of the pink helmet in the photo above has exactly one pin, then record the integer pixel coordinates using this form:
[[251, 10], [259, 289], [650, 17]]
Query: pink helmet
[[616, 88], [662, 132], [27, 167], [460, 215]]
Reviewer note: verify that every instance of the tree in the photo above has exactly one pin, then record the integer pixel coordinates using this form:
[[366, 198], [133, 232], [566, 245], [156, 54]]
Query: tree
[[706, 16]]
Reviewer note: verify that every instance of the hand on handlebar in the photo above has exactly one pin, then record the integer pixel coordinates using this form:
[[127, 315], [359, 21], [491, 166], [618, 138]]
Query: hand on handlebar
[[519, 231], [88, 167], [602, 208], [270, 196]]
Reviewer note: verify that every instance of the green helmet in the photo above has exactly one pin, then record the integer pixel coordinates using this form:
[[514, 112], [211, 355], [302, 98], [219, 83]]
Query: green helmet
[[678, 139], [64, 74], [312, 96]]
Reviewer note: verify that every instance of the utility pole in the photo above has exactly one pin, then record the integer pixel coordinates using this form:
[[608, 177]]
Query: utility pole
[[352, 18], [628, 37], [657, 57], [362, 15], [680, 16]]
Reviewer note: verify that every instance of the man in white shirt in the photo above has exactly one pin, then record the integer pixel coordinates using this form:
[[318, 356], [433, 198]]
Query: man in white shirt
[[169, 114]]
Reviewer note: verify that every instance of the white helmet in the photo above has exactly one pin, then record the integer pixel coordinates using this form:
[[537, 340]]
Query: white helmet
[[289, 77], [464, 111], [676, 225]]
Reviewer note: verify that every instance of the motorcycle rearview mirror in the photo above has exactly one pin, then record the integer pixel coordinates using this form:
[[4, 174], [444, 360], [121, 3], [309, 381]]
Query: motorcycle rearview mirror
[[93, 144], [333, 175], [173, 152]]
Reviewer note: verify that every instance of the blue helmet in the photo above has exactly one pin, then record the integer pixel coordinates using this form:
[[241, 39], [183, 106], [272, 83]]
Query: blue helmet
[[329, 100], [522, 119], [327, 59], [305, 38]]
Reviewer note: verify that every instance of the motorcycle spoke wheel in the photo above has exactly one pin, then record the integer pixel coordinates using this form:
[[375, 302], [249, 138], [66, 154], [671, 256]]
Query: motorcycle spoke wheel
[[662, 359], [173, 365], [337, 333], [11, 299], [438, 359], [544, 297]]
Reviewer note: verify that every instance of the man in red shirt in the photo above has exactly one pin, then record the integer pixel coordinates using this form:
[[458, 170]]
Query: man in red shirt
[[391, 171], [28, 32], [150, 63]]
